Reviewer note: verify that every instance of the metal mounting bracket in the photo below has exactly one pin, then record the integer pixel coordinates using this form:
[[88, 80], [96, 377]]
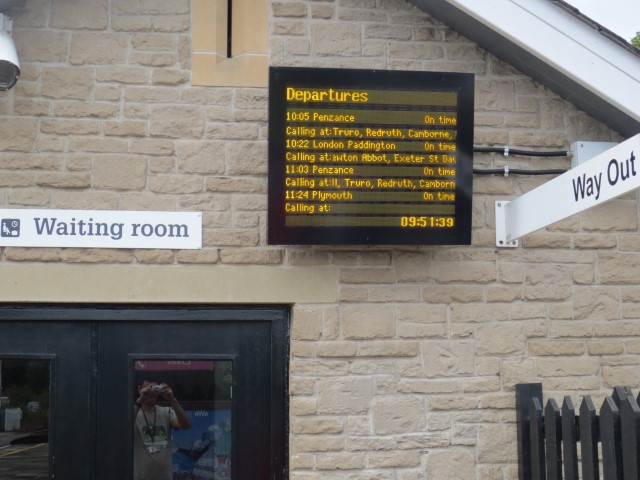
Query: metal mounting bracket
[[501, 226]]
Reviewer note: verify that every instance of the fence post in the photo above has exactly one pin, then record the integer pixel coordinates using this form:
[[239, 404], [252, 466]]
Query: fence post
[[553, 437], [589, 438], [538, 453], [525, 393], [630, 419], [611, 440], [569, 439]]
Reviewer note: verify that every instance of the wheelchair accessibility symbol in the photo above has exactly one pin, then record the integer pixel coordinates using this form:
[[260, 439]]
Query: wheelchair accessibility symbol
[[10, 227]]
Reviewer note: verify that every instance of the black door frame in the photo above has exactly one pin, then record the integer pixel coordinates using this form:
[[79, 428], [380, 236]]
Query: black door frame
[[277, 316]]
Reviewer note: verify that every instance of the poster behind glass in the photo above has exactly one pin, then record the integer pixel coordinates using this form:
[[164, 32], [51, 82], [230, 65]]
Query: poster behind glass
[[204, 390]]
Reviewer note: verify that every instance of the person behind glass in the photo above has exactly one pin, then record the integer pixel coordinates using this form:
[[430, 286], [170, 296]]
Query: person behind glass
[[152, 431]]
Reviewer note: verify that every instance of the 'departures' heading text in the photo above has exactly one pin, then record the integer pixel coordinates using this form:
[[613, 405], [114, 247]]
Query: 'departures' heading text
[[330, 95]]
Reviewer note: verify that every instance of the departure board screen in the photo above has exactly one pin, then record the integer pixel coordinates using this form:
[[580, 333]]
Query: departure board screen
[[369, 157]]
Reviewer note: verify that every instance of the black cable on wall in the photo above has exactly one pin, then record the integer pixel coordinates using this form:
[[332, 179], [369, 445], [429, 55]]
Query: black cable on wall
[[506, 151]]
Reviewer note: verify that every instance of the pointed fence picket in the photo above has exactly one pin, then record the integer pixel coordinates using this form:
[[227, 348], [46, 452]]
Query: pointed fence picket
[[549, 437]]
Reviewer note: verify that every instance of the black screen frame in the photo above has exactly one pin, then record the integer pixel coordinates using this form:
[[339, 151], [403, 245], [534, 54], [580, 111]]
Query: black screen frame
[[462, 84]]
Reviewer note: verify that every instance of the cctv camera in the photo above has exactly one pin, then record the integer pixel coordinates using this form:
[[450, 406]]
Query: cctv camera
[[9, 66]]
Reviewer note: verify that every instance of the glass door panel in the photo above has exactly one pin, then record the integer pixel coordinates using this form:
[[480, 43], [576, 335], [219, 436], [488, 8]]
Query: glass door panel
[[183, 418], [24, 418], [46, 368]]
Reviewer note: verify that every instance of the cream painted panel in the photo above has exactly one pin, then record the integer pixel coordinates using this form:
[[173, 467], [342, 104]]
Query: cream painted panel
[[250, 42], [209, 23], [170, 284], [250, 27], [244, 71]]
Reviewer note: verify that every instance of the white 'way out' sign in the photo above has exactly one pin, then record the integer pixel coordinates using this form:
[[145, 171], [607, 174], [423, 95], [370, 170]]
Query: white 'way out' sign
[[604, 177]]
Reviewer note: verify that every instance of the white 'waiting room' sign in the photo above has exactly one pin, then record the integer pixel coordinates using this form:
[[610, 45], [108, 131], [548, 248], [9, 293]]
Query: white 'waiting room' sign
[[100, 229]]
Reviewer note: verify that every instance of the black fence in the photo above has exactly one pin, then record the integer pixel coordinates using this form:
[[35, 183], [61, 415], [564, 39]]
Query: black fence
[[549, 437]]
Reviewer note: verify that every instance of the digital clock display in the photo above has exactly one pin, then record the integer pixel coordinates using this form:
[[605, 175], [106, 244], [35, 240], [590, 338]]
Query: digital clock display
[[369, 157]]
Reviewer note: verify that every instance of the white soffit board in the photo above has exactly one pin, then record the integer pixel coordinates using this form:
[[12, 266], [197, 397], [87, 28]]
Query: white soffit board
[[567, 44]]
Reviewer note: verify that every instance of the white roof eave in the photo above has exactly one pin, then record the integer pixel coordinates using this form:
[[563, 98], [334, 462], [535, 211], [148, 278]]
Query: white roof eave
[[565, 43]]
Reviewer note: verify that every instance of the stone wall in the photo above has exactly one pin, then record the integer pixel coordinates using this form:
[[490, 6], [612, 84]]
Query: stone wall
[[410, 374]]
